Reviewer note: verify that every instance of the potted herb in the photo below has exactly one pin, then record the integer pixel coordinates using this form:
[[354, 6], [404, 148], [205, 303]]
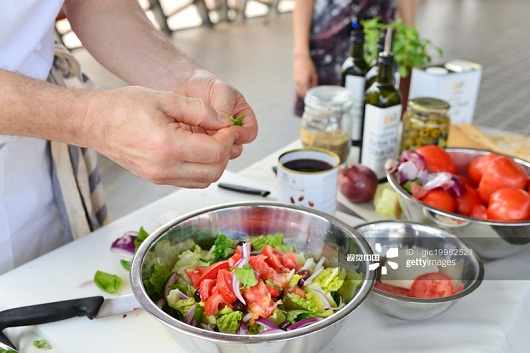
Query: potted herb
[[409, 48]]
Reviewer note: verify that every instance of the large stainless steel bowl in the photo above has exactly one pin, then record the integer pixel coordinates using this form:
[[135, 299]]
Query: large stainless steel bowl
[[460, 263], [311, 232], [492, 240]]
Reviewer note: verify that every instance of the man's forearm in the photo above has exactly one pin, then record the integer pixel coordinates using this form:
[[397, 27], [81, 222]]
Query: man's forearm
[[30, 107], [121, 37]]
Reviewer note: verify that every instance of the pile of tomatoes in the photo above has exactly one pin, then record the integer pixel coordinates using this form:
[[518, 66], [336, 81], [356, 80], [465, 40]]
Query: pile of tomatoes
[[496, 187]]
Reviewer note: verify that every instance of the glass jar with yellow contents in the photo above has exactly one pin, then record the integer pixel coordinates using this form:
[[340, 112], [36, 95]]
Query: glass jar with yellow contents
[[327, 122], [425, 123]]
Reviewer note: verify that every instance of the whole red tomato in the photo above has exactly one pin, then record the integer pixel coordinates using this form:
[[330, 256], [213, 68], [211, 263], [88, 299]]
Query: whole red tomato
[[440, 199], [478, 165], [436, 159], [501, 172], [466, 202], [479, 212], [509, 204]]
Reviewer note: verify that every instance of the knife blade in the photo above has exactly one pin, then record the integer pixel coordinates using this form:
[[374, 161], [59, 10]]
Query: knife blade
[[91, 307], [344, 209], [244, 189]]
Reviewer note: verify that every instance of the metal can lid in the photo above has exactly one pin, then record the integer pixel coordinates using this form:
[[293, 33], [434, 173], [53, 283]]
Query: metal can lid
[[328, 98], [427, 105]]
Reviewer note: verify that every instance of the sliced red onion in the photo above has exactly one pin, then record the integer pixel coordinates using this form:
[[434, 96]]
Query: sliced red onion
[[391, 165], [290, 275], [340, 306], [316, 271], [307, 264], [303, 323], [125, 243], [86, 283], [269, 325], [206, 326], [190, 316], [324, 298], [247, 317], [245, 255], [171, 281], [161, 302], [237, 291], [243, 328]]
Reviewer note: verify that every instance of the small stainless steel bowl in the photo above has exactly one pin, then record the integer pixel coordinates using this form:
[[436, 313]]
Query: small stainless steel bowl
[[462, 265], [491, 240], [311, 232]]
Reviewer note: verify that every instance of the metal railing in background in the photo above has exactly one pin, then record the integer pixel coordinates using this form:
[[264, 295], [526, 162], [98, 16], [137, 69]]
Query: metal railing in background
[[170, 16]]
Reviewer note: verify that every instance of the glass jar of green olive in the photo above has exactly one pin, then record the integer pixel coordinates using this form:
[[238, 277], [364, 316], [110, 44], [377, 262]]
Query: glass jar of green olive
[[425, 123]]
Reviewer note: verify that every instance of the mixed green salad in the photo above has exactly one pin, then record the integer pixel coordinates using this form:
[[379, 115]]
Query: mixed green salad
[[245, 286]]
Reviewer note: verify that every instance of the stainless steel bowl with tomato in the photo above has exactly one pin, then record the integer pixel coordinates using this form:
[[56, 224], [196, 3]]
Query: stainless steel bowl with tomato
[[422, 270], [312, 233], [490, 238]]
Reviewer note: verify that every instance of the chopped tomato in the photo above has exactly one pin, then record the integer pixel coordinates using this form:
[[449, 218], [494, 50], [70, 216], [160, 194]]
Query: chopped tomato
[[478, 165], [232, 260], [466, 202], [259, 300], [432, 285], [211, 306], [436, 159], [502, 172], [273, 289], [195, 273], [298, 291], [211, 272], [206, 288], [440, 199], [273, 260], [224, 284], [262, 268], [289, 260], [509, 205], [392, 289]]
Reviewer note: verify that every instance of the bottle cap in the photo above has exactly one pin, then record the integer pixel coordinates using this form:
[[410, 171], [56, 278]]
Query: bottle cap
[[386, 58]]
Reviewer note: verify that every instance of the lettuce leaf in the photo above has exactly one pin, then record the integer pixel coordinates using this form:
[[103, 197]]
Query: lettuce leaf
[[191, 258], [330, 279], [223, 248], [182, 305], [107, 282], [229, 322], [273, 240]]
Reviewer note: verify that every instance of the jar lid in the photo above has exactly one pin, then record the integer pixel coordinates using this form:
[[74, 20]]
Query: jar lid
[[328, 98], [429, 105]]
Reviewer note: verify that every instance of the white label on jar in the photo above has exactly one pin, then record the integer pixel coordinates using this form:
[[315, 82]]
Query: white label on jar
[[355, 84], [380, 137]]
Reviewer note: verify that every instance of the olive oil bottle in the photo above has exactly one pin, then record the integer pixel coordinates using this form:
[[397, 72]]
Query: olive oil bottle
[[353, 76], [382, 115]]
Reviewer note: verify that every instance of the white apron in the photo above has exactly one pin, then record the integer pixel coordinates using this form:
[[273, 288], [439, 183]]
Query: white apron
[[30, 224]]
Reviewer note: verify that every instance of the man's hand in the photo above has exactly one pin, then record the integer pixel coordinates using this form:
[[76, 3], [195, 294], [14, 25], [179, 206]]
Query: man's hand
[[226, 100], [160, 136]]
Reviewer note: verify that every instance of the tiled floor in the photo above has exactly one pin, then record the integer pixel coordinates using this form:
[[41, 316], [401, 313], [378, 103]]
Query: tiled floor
[[256, 57]]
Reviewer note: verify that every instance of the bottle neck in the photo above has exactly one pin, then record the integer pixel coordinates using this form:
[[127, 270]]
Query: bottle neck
[[357, 50], [385, 73]]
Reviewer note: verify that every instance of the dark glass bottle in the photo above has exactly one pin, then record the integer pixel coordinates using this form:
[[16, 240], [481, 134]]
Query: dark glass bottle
[[371, 75], [382, 115], [353, 76]]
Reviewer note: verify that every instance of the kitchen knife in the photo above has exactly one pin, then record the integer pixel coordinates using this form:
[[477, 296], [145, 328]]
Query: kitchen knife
[[91, 307], [244, 189]]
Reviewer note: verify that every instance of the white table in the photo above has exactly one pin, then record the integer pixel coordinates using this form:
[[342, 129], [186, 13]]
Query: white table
[[495, 318]]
